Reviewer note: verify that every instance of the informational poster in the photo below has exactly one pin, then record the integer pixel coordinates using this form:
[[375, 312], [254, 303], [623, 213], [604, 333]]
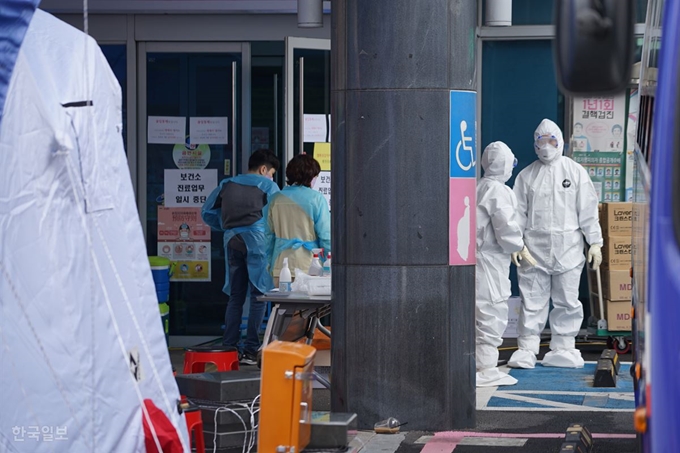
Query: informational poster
[[187, 188], [188, 156], [167, 130], [184, 239], [209, 130], [322, 153], [259, 138], [605, 170], [323, 185], [462, 173], [317, 128], [599, 124]]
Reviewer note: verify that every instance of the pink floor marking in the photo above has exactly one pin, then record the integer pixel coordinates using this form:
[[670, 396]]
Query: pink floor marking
[[447, 441]]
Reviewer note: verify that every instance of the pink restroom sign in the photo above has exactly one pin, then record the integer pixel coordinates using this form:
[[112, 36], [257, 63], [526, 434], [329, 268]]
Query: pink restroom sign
[[462, 225], [462, 177]]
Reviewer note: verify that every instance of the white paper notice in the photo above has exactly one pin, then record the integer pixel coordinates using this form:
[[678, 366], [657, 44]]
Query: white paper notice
[[323, 185], [316, 129], [208, 130], [185, 188], [168, 130]]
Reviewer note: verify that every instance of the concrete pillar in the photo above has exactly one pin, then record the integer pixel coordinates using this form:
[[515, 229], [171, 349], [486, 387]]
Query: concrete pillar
[[403, 318]]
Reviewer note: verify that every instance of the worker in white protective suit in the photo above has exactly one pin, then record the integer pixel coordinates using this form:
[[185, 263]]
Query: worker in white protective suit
[[498, 236], [557, 208]]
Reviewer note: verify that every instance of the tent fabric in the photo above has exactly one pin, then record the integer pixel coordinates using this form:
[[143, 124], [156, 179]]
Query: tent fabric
[[81, 341], [15, 15]]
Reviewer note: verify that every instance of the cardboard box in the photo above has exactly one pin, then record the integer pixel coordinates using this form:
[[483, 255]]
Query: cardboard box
[[616, 285], [616, 219], [616, 253], [618, 316]]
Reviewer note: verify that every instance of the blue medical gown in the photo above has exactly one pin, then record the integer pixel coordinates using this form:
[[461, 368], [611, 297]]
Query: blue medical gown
[[253, 235], [297, 221]]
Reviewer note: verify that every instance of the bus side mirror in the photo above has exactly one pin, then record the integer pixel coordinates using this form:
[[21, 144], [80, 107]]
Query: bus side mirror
[[594, 45]]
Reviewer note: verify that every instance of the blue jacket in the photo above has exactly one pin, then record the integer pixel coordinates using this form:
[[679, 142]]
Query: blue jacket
[[253, 235], [297, 221]]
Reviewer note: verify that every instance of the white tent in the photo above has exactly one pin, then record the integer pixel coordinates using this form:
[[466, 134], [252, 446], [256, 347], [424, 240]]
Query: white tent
[[81, 342]]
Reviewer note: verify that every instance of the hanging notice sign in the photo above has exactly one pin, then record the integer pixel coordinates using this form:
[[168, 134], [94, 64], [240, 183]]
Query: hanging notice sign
[[323, 185], [208, 130], [599, 124], [462, 177], [166, 129], [184, 239], [189, 188], [606, 171], [322, 153], [317, 128]]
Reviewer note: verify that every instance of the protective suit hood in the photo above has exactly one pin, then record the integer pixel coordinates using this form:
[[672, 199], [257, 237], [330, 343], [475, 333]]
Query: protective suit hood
[[548, 153], [498, 162]]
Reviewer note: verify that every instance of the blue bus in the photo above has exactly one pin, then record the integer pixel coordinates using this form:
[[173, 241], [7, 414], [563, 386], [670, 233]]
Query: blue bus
[[656, 226], [597, 42]]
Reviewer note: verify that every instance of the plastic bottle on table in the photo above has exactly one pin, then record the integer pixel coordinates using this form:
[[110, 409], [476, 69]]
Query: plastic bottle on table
[[315, 269], [285, 279], [327, 265]]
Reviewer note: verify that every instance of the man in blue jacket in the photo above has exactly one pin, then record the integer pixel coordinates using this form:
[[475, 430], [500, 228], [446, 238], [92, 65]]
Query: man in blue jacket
[[235, 207]]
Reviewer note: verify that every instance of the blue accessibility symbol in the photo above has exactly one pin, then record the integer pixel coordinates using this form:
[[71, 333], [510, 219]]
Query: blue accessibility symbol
[[462, 133]]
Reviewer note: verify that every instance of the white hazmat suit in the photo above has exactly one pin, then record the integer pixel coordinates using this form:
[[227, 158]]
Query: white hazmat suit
[[557, 208], [498, 236]]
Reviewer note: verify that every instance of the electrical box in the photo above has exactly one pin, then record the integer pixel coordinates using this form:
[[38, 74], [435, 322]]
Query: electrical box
[[286, 397]]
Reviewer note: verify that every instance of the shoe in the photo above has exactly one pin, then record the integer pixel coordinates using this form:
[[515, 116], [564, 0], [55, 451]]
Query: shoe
[[522, 358], [248, 358], [563, 358], [493, 377]]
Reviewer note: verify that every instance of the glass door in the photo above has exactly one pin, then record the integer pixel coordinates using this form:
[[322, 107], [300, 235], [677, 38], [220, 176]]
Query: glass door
[[191, 122], [308, 104], [308, 93]]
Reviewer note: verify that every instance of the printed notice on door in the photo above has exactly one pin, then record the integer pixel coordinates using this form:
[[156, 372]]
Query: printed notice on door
[[167, 130], [189, 188], [184, 239], [208, 130]]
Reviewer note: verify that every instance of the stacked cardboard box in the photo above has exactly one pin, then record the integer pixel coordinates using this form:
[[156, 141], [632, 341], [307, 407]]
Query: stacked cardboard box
[[617, 227]]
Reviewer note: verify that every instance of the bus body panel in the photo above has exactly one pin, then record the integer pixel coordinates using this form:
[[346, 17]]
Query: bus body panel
[[664, 254]]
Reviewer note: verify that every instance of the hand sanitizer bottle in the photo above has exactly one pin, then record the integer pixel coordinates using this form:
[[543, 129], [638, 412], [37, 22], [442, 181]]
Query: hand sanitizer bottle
[[327, 265], [285, 278], [315, 269]]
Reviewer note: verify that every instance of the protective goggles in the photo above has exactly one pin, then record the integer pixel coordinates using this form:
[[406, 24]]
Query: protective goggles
[[546, 140], [514, 163]]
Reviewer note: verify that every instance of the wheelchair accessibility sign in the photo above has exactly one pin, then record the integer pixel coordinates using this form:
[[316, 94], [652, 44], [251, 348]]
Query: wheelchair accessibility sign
[[462, 134], [462, 177]]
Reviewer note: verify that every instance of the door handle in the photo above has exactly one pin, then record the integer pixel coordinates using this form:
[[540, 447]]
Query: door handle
[[304, 407]]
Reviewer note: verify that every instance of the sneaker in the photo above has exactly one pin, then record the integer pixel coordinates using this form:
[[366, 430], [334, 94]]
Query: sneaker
[[248, 358]]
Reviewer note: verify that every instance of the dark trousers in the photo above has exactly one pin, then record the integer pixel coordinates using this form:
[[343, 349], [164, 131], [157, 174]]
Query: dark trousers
[[240, 283]]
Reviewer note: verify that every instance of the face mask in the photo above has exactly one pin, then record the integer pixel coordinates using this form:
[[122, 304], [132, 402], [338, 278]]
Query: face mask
[[547, 153], [269, 177], [313, 182]]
